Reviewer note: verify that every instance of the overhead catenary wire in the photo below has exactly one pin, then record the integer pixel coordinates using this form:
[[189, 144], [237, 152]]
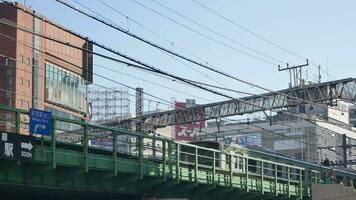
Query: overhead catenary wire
[[214, 69], [202, 5], [248, 30], [217, 33], [96, 74], [166, 40], [68, 44], [26, 71], [141, 66], [206, 36]]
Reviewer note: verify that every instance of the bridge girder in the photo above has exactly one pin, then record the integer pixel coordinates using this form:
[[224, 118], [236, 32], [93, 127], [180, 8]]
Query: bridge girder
[[321, 93]]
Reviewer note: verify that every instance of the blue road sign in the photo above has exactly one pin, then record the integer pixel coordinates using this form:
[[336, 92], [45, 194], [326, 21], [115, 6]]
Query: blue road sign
[[40, 122]]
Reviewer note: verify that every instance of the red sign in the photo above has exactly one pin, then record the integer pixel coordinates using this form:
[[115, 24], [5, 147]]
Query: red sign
[[187, 132]]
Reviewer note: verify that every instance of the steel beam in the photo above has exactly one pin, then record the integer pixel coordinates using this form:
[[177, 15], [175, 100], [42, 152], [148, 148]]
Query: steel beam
[[323, 93]]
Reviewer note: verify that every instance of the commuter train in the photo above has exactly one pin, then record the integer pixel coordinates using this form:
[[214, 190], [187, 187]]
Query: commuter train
[[327, 174]]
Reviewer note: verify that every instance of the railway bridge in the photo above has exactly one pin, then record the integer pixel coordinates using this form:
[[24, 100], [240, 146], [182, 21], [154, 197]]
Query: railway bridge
[[68, 164]]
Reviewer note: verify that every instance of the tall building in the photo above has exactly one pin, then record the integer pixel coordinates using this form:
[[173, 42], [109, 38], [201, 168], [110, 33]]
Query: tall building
[[40, 73]]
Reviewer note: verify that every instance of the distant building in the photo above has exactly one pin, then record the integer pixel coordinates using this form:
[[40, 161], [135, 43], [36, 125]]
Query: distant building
[[294, 138], [39, 73], [344, 112]]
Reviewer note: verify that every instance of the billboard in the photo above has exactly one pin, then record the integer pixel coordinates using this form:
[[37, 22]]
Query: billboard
[[123, 143], [187, 132], [244, 140]]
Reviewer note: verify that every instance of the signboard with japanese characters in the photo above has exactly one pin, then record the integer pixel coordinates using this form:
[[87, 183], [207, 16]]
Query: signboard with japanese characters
[[16, 147], [40, 122], [187, 132]]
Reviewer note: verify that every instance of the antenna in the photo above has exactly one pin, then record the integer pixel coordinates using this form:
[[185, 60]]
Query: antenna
[[295, 74], [319, 74]]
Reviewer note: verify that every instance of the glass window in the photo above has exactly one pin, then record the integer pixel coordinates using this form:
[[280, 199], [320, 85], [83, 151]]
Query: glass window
[[65, 88]]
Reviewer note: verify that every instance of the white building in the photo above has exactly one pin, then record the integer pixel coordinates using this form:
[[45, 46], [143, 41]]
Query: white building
[[344, 112]]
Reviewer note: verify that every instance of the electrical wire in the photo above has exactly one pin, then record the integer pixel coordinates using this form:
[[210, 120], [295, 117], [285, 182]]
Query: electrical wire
[[217, 33], [68, 44], [172, 53]]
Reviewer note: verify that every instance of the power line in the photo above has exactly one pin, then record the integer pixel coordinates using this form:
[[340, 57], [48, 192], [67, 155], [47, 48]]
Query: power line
[[134, 65], [248, 30], [164, 39], [168, 51], [255, 34], [18, 61], [79, 48], [217, 33], [205, 35], [99, 75]]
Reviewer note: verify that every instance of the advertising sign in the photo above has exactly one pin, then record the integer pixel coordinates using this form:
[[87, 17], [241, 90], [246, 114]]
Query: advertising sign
[[123, 142], [245, 140], [17, 147], [187, 132], [249, 140], [40, 122]]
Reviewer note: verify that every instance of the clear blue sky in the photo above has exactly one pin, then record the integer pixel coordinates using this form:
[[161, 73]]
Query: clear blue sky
[[322, 30]]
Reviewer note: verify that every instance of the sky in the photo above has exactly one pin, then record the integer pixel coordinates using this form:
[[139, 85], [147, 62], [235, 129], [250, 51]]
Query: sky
[[321, 30]]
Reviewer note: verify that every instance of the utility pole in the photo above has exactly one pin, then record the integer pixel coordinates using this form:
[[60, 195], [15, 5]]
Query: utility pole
[[296, 79], [344, 150], [319, 74], [139, 106]]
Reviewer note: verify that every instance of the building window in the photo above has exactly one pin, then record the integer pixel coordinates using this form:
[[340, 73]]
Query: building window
[[21, 103], [21, 58], [21, 80], [28, 83], [65, 88], [28, 61]]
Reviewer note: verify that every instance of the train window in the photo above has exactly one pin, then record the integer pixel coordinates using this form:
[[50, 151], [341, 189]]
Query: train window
[[252, 166]]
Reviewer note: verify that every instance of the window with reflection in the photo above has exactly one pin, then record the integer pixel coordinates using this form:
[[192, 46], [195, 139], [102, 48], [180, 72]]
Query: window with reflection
[[65, 87]]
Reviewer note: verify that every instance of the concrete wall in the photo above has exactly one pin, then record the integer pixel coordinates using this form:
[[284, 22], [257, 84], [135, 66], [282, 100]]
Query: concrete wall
[[332, 191]]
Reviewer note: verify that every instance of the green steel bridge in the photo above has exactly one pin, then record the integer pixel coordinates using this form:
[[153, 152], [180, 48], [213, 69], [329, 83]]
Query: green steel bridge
[[134, 165]]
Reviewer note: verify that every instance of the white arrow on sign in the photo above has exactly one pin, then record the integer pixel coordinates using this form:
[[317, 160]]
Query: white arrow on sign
[[27, 146]]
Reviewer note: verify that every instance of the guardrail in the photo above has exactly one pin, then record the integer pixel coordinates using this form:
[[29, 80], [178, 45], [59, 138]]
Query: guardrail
[[167, 158]]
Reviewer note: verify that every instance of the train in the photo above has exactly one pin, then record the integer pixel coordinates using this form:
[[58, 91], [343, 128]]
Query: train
[[327, 174]]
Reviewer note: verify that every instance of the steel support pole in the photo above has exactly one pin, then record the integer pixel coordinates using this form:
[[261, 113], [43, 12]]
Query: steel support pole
[[214, 169], [288, 192], [18, 122], [164, 159], [170, 163], [177, 161], [301, 183], [196, 164], [140, 149], [231, 170], [276, 179], [53, 144], [246, 168], [86, 166], [114, 151], [262, 169], [344, 150]]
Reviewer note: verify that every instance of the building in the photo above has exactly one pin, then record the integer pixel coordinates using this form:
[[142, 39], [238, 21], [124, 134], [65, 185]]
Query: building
[[40, 73], [311, 140], [345, 113]]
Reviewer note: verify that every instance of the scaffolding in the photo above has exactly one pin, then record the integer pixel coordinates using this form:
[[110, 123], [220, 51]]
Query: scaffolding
[[109, 104]]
